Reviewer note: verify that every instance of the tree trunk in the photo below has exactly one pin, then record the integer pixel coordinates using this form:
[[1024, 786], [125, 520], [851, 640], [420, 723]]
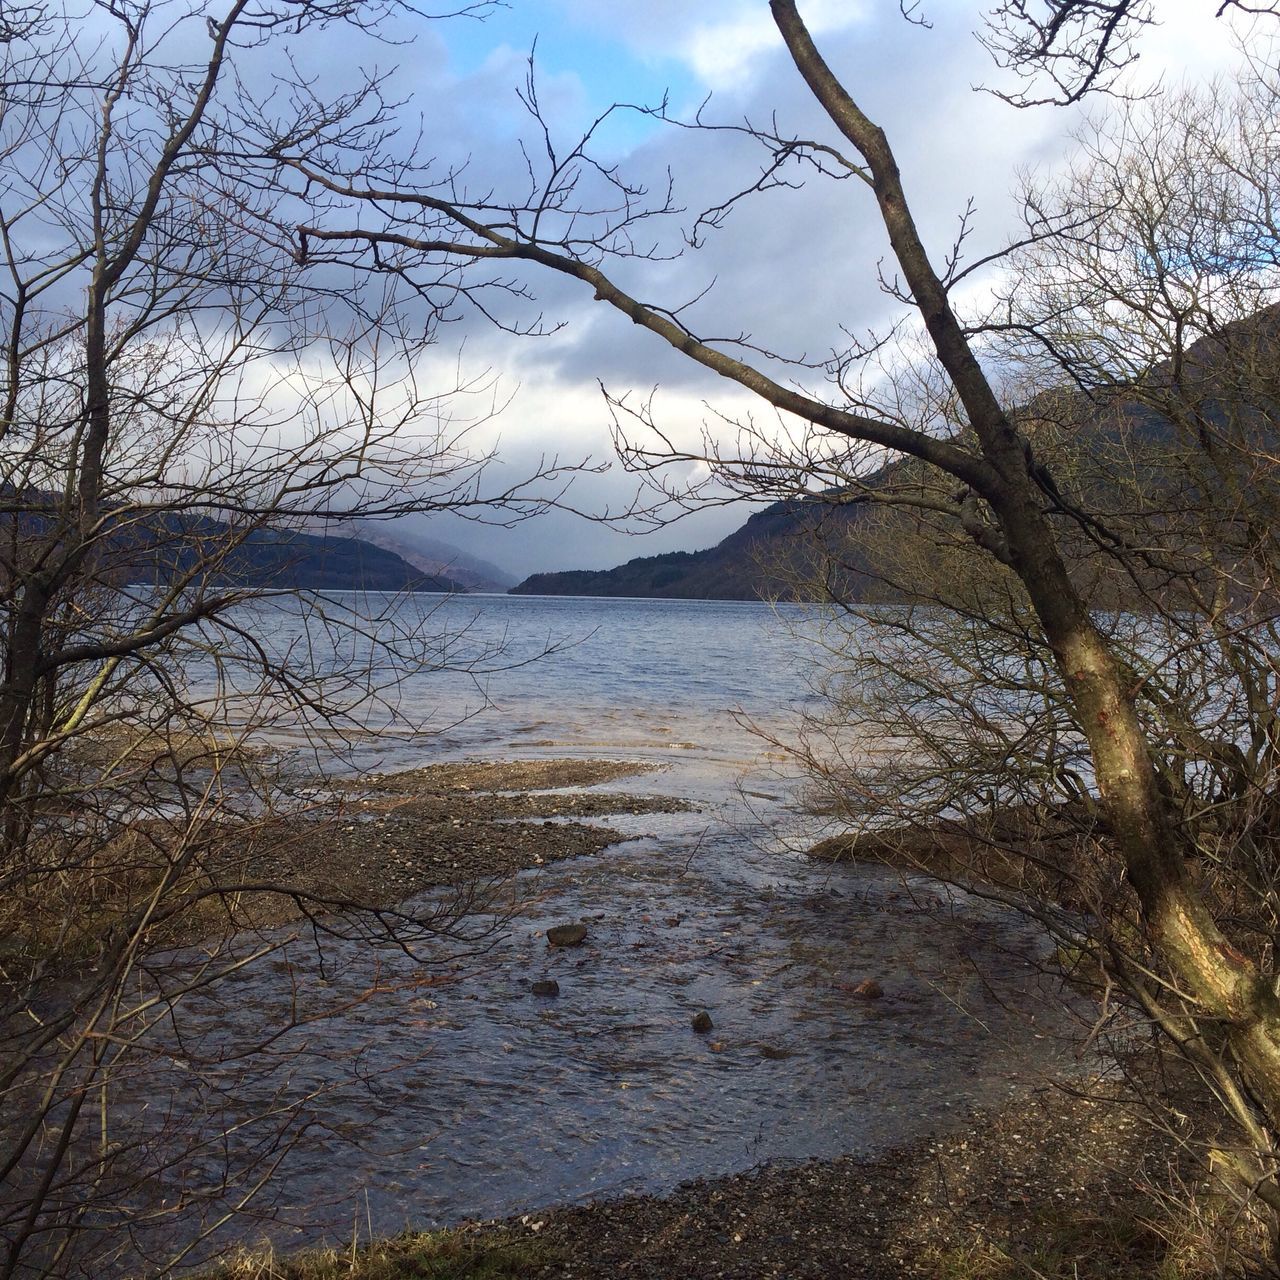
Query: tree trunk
[[1182, 930]]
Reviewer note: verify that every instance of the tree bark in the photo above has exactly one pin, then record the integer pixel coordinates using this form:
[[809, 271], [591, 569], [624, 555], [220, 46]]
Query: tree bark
[[1183, 931]]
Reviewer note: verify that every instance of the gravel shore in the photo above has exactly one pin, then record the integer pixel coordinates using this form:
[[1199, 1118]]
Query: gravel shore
[[383, 839], [1052, 1186], [1055, 1183], [1059, 1184]]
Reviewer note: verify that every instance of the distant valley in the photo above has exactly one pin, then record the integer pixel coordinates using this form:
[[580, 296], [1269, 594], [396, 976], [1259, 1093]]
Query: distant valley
[[434, 556]]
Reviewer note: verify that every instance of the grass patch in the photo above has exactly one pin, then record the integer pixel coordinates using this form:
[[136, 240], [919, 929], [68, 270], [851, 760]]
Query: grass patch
[[467, 1253], [1123, 1245]]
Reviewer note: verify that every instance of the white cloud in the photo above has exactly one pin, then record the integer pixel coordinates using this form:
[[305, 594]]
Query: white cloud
[[720, 41], [725, 53], [792, 267], [1190, 42]]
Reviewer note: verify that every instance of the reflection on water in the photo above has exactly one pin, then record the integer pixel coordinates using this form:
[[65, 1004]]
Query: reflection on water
[[447, 1090], [531, 673], [454, 1092]]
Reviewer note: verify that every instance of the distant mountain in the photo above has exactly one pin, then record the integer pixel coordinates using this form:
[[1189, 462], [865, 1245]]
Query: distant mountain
[[433, 556], [773, 556], [781, 552], [162, 546], [279, 559]]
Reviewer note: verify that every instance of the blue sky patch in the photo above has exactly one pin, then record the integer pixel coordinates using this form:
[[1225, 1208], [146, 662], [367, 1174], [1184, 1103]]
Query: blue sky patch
[[607, 69]]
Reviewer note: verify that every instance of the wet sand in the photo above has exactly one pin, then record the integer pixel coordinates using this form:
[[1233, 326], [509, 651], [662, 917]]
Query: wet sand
[[386, 838]]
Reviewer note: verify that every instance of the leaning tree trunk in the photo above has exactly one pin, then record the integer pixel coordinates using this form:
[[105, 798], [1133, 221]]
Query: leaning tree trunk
[[1223, 984]]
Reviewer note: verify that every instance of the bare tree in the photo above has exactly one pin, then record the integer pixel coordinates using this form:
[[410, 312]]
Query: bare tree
[[1065, 50], [1116, 728], [180, 400]]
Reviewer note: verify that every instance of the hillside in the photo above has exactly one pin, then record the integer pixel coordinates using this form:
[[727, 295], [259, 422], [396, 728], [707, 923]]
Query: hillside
[[275, 558], [1094, 439], [163, 546], [773, 556], [433, 556]]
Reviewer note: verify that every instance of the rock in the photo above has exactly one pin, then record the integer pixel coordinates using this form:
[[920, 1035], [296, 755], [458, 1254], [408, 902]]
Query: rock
[[774, 1053], [566, 935], [868, 989], [546, 987], [702, 1022]]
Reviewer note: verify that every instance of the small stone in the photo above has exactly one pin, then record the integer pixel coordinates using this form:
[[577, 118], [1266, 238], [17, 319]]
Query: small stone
[[868, 989], [566, 935], [702, 1022], [546, 987]]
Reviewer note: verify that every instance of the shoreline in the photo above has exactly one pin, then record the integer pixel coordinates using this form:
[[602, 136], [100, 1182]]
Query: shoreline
[[1057, 1182], [993, 1198], [383, 839]]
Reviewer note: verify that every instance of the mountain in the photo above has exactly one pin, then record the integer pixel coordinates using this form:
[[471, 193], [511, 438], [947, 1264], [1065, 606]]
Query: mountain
[[433, 556], [165, 546], [162, 546], [1224, 382], [318, 562], [773, 556]]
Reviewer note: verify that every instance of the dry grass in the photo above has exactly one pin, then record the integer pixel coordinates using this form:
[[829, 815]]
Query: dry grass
[[1120, 1243], [468, 1253]]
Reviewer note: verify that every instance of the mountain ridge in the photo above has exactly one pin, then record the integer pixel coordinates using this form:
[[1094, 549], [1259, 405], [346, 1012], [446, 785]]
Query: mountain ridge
[[162, 546], [771, 556], [778, 553], [288, 560]]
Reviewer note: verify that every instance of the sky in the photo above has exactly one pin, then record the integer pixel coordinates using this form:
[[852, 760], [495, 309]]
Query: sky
[[792, 268]]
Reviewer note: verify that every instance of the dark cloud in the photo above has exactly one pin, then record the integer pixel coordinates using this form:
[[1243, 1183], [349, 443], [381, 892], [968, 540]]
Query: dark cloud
[[792, 269]]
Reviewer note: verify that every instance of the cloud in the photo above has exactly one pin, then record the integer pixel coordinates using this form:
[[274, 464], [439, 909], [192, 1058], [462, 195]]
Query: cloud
[[722, 42], [792, 269], [725, 53]]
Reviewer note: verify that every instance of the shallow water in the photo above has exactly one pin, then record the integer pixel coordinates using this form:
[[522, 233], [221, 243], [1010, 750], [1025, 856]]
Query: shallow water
[[438, 1088], [452, 1092]]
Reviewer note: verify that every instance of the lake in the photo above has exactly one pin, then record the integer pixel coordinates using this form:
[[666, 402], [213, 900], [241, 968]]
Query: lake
[[503, 675], [435, 1090]]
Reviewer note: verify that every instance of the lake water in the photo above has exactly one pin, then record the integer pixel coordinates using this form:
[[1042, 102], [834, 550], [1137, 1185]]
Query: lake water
[[439, 1088], [543, 675]]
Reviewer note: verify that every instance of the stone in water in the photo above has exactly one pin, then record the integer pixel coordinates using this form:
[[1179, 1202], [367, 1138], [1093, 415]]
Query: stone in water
[[567, 935]]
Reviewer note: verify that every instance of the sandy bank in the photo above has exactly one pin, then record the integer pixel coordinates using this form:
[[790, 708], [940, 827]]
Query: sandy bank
[[380, 840]]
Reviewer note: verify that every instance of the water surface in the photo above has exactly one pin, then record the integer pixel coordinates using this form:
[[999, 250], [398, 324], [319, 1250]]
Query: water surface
[[442, 1089]]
